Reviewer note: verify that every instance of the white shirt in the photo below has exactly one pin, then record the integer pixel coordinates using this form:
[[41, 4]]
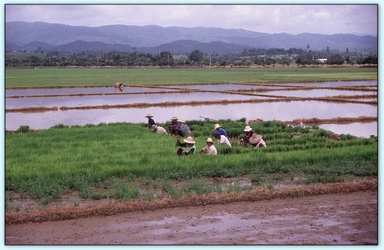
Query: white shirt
[[224, 140], [160, 130], [211, 150]]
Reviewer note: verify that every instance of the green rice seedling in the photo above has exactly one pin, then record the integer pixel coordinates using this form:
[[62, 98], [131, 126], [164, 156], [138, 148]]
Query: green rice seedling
[[58, 126], [257, 177], [233, 187], [65, 77], [85, 191], [146, 181], [198, 187], [346, 137], [150, 196], [45, 201], [173, 192], [23, 129], [214, 171], [124, 190], [325, 178], [47, 163]]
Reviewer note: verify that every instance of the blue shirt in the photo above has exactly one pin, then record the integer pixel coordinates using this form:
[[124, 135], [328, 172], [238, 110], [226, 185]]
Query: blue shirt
[[151, 122], [184, 127], [222, 132]]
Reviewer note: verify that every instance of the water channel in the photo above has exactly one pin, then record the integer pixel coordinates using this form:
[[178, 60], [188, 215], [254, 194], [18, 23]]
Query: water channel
[[192, 102]]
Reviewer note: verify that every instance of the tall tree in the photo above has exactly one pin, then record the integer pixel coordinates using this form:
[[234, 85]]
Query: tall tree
[[196, 56], [166, 58]]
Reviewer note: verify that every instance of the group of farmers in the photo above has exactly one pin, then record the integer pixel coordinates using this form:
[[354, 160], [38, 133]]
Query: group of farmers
[[179, 128]]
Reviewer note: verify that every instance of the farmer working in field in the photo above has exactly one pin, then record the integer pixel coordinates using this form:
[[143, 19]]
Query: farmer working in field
[[184, 128], [221, 139], [119, 86], [257, 141], [209, 149], [248, 132], [174, 127], [151, 122], [159, 130], [189, 145], [219, 129], [251, 138]]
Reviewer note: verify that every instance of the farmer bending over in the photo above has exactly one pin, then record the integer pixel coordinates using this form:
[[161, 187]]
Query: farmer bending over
[[158, 130], [257, 141], [184, 128], [219, 129], [151, 122], [221, 139], [174, 127], [248, 132]]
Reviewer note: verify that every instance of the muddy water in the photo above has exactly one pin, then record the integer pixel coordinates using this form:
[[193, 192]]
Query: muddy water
[[320, 93], [284, 111], [356, 129], [272, 86], [67, 91], [213, 87], [329, 219], [95, 100], [74, 101]]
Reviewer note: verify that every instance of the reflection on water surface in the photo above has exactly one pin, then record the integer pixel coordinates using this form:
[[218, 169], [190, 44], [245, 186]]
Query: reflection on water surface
[[283, 111]]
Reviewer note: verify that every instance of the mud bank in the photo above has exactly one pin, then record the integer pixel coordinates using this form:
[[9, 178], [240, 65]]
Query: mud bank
[[327, 219], [73, 212]]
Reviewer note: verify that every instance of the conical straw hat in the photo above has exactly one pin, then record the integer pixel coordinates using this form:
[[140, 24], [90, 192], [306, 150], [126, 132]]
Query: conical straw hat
[[255, 139]]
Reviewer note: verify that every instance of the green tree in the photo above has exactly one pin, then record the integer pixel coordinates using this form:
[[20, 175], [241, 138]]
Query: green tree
[[196, 56], [165, 58]]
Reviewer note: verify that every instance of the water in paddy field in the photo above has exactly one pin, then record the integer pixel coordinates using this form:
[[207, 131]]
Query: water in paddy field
[[192, 102]]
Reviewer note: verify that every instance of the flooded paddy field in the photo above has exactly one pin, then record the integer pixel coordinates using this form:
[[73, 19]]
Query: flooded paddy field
[[101, 100], [43, 108]]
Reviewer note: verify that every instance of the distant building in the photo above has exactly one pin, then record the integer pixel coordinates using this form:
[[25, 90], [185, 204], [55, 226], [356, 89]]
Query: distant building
[[322, 60]]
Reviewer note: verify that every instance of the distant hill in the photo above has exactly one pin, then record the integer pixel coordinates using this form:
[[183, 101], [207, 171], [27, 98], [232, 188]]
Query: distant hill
[[183, 46], [154, 39]]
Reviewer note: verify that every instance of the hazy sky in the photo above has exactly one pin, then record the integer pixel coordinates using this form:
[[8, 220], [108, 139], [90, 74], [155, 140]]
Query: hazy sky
[[293, 19]]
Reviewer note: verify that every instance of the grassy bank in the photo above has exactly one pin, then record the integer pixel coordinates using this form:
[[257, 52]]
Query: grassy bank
[[129, 162], [66, 77]]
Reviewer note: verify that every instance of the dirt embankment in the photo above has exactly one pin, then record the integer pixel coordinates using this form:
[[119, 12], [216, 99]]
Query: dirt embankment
[[108, 208], [347, 218]]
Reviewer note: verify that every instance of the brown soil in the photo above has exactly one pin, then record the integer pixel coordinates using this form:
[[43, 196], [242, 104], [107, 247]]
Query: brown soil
[[328, 219]]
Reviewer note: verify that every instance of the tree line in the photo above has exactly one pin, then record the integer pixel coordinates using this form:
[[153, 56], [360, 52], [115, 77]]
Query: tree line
[[247, 57]]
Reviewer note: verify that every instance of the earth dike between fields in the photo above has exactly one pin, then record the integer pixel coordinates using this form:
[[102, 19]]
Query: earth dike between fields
[[71, 206], [318, 214]]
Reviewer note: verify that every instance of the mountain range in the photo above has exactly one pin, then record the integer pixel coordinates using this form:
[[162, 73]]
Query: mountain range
[[154, 39]]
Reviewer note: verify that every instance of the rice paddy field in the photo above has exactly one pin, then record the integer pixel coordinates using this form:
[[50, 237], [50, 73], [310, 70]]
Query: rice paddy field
[[106, 163], [64, 77], [129, 162]]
